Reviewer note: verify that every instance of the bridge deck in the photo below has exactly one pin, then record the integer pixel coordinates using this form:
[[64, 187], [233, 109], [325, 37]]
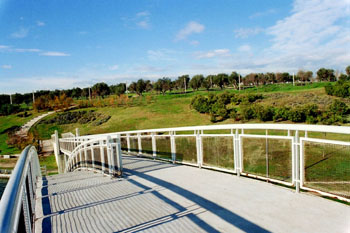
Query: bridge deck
[[159, 197]]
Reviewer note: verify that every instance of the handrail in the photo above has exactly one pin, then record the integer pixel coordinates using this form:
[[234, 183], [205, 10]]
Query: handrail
[[300, 127], [295, 134], [15, 201]]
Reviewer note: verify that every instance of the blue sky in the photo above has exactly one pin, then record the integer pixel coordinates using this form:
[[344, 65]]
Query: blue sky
[[63, 44]]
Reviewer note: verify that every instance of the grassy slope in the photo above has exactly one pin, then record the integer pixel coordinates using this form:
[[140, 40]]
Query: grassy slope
[[10, 121], [173, 110]]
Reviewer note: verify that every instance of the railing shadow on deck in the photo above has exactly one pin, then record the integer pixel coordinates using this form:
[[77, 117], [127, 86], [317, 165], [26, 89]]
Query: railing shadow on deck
[[201, 204]]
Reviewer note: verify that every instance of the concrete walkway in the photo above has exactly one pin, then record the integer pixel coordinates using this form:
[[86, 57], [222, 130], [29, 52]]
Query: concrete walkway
[[23, 132], [160, 197]]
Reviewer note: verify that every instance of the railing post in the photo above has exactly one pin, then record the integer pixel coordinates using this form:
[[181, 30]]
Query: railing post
[[109, 155], [128, 142], [267, 155], [172, 146], [57, 148], [296, 160], [80, 155], [237, 153], [119, 156], [102, 154], [92, 155], [85, 155], [154, 145], [199, 149], [139, 143]]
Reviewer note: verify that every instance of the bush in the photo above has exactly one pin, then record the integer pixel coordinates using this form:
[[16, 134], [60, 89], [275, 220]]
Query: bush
[[281, 114], [340, 89], [338, 108], [297, 115], [200, 104], [81, 117], [8, 109], [247, 112], [264, 113]]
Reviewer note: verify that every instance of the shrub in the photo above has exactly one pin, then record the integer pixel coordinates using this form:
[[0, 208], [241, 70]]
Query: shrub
[[264, 113], [201, 104], [338, 108], [247, 112], [8, 109], [297, 115], [281, 114], [340, 89]]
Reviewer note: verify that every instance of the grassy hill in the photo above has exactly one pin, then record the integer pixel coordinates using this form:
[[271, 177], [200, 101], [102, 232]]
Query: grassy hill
[[173, 110]]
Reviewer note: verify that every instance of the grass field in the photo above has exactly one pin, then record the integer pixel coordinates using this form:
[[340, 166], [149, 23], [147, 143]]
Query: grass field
[[173, 110], [6, 122], [48, 161]]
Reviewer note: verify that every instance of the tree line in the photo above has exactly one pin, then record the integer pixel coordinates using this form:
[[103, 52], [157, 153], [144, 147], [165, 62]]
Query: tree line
[[182, 84]]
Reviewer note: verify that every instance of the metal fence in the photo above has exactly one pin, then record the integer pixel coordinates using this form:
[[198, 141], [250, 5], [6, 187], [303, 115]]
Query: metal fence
[[17, 204], [311, 157], [102, 155]]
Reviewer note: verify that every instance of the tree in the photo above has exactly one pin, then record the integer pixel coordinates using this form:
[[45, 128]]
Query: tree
[[76, 92], [210, 79], [325, 75], [347, 70], [206, 83], [163, 85], [304, 76], [85, 92], [196, 81], [182, 82], [149, 86], [132, 87], [270, 77], [141, 86], [118, 89], [221, 80], [233, 79], [100, 89]]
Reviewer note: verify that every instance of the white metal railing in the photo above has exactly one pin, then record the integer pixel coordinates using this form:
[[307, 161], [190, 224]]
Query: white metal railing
[[17, 204], [273, 152]]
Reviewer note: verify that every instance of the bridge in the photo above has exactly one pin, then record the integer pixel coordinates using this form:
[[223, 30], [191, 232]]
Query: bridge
[[226, 178]]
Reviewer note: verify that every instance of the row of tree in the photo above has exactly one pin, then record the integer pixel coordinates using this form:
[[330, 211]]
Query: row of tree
[[182, 83]]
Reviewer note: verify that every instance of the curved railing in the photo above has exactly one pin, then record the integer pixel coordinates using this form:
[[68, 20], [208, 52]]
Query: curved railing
[[310, 157], [97, 154], [17, 204]]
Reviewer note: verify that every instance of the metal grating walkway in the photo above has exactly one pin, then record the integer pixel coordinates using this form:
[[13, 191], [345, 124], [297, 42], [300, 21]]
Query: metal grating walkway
[[155, 196]]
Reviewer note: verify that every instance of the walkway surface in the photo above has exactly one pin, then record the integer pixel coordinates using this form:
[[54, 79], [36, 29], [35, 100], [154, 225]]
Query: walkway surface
[[160, 197], [23, 132]]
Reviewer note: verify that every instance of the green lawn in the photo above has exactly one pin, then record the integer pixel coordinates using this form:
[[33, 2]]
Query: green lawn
[[7, 122]]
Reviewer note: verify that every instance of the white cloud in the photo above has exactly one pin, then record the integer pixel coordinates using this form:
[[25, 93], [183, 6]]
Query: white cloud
[[40, 23], [314, 35], [161, 55], [7, 67], [4, 47], [247, 32], [114, 67], [213, 53], [190, 28], [21, 33], [142, 14], [143, 24], [54, 54], [262, 13], [27, 50], [194, 42], [244, 48]]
